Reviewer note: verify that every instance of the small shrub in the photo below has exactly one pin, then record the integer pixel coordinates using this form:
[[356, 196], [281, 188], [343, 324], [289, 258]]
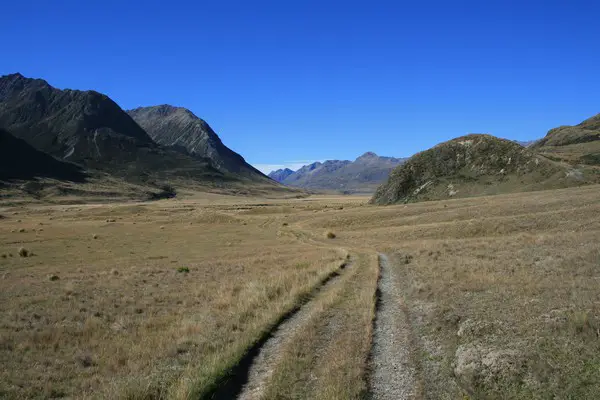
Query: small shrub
[[183, 269], [21, 230], [114, 272], [166, 192], [303, 265], [285, 224], [53, 277], [23, 252], [4, 256], [86, 361], [94, 236], [581, 322], [330, 235]]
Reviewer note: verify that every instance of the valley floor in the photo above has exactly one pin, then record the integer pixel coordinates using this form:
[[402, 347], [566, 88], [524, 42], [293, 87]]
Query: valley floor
[[225, 297]]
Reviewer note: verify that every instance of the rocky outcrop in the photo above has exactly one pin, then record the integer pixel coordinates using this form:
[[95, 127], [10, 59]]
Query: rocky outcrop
[[474, 165]]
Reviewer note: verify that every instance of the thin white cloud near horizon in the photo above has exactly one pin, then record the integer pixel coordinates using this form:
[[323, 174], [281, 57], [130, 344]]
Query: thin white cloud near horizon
[[293, 165]]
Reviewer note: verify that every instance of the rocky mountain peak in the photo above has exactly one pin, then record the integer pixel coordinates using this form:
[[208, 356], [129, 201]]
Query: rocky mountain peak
[[361, 175], [84, 127], [367, 155], [179, 128], [281, 174]]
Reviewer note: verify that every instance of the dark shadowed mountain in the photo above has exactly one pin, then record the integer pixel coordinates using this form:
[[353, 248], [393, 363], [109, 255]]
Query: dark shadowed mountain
[[21, 161], [280, 174], [80, 126], [179, 128], [89, 129], [579, 144], [475, 165], [361, 175]]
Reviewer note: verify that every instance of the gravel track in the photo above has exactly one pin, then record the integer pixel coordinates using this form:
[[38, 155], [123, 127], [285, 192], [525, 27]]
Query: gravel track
[[392, 373]]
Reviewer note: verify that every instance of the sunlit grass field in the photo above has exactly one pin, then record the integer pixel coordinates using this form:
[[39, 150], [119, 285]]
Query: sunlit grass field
[[162, 299]]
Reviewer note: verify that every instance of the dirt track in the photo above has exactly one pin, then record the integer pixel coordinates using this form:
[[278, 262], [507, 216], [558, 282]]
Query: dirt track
[[268, 357], [393, 375]]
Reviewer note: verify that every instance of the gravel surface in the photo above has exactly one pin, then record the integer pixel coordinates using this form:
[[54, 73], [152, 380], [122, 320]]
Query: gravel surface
[[393, 376]]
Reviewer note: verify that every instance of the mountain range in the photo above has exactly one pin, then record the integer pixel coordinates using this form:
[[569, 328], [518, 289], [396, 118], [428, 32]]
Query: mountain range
[[280, 174], [81, 136], [362, 175], [89, 130]]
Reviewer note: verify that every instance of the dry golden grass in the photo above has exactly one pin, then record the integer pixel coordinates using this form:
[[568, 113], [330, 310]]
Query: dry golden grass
[[113, 317], [109, 310], [502, 291], [327, 356]]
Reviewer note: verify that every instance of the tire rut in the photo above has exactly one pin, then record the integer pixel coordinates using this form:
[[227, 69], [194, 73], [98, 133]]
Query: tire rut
[[267, 359], [392, 371], [246, 381]]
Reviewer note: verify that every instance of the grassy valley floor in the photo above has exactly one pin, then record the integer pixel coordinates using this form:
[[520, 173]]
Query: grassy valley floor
[[167, 299]]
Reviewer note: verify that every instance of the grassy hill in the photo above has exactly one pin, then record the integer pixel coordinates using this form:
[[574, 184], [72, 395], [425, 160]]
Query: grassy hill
[[476, 165], [579, 144]]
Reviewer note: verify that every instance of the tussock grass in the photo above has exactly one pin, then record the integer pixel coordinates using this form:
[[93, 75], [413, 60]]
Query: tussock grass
[[148, 333], [501, 291], [506, 285]]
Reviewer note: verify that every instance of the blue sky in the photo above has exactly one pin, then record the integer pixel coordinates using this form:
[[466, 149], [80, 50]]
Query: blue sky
[[289, 82]]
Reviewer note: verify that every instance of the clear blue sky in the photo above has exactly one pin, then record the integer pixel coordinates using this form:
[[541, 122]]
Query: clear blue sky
[[288, 80]]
